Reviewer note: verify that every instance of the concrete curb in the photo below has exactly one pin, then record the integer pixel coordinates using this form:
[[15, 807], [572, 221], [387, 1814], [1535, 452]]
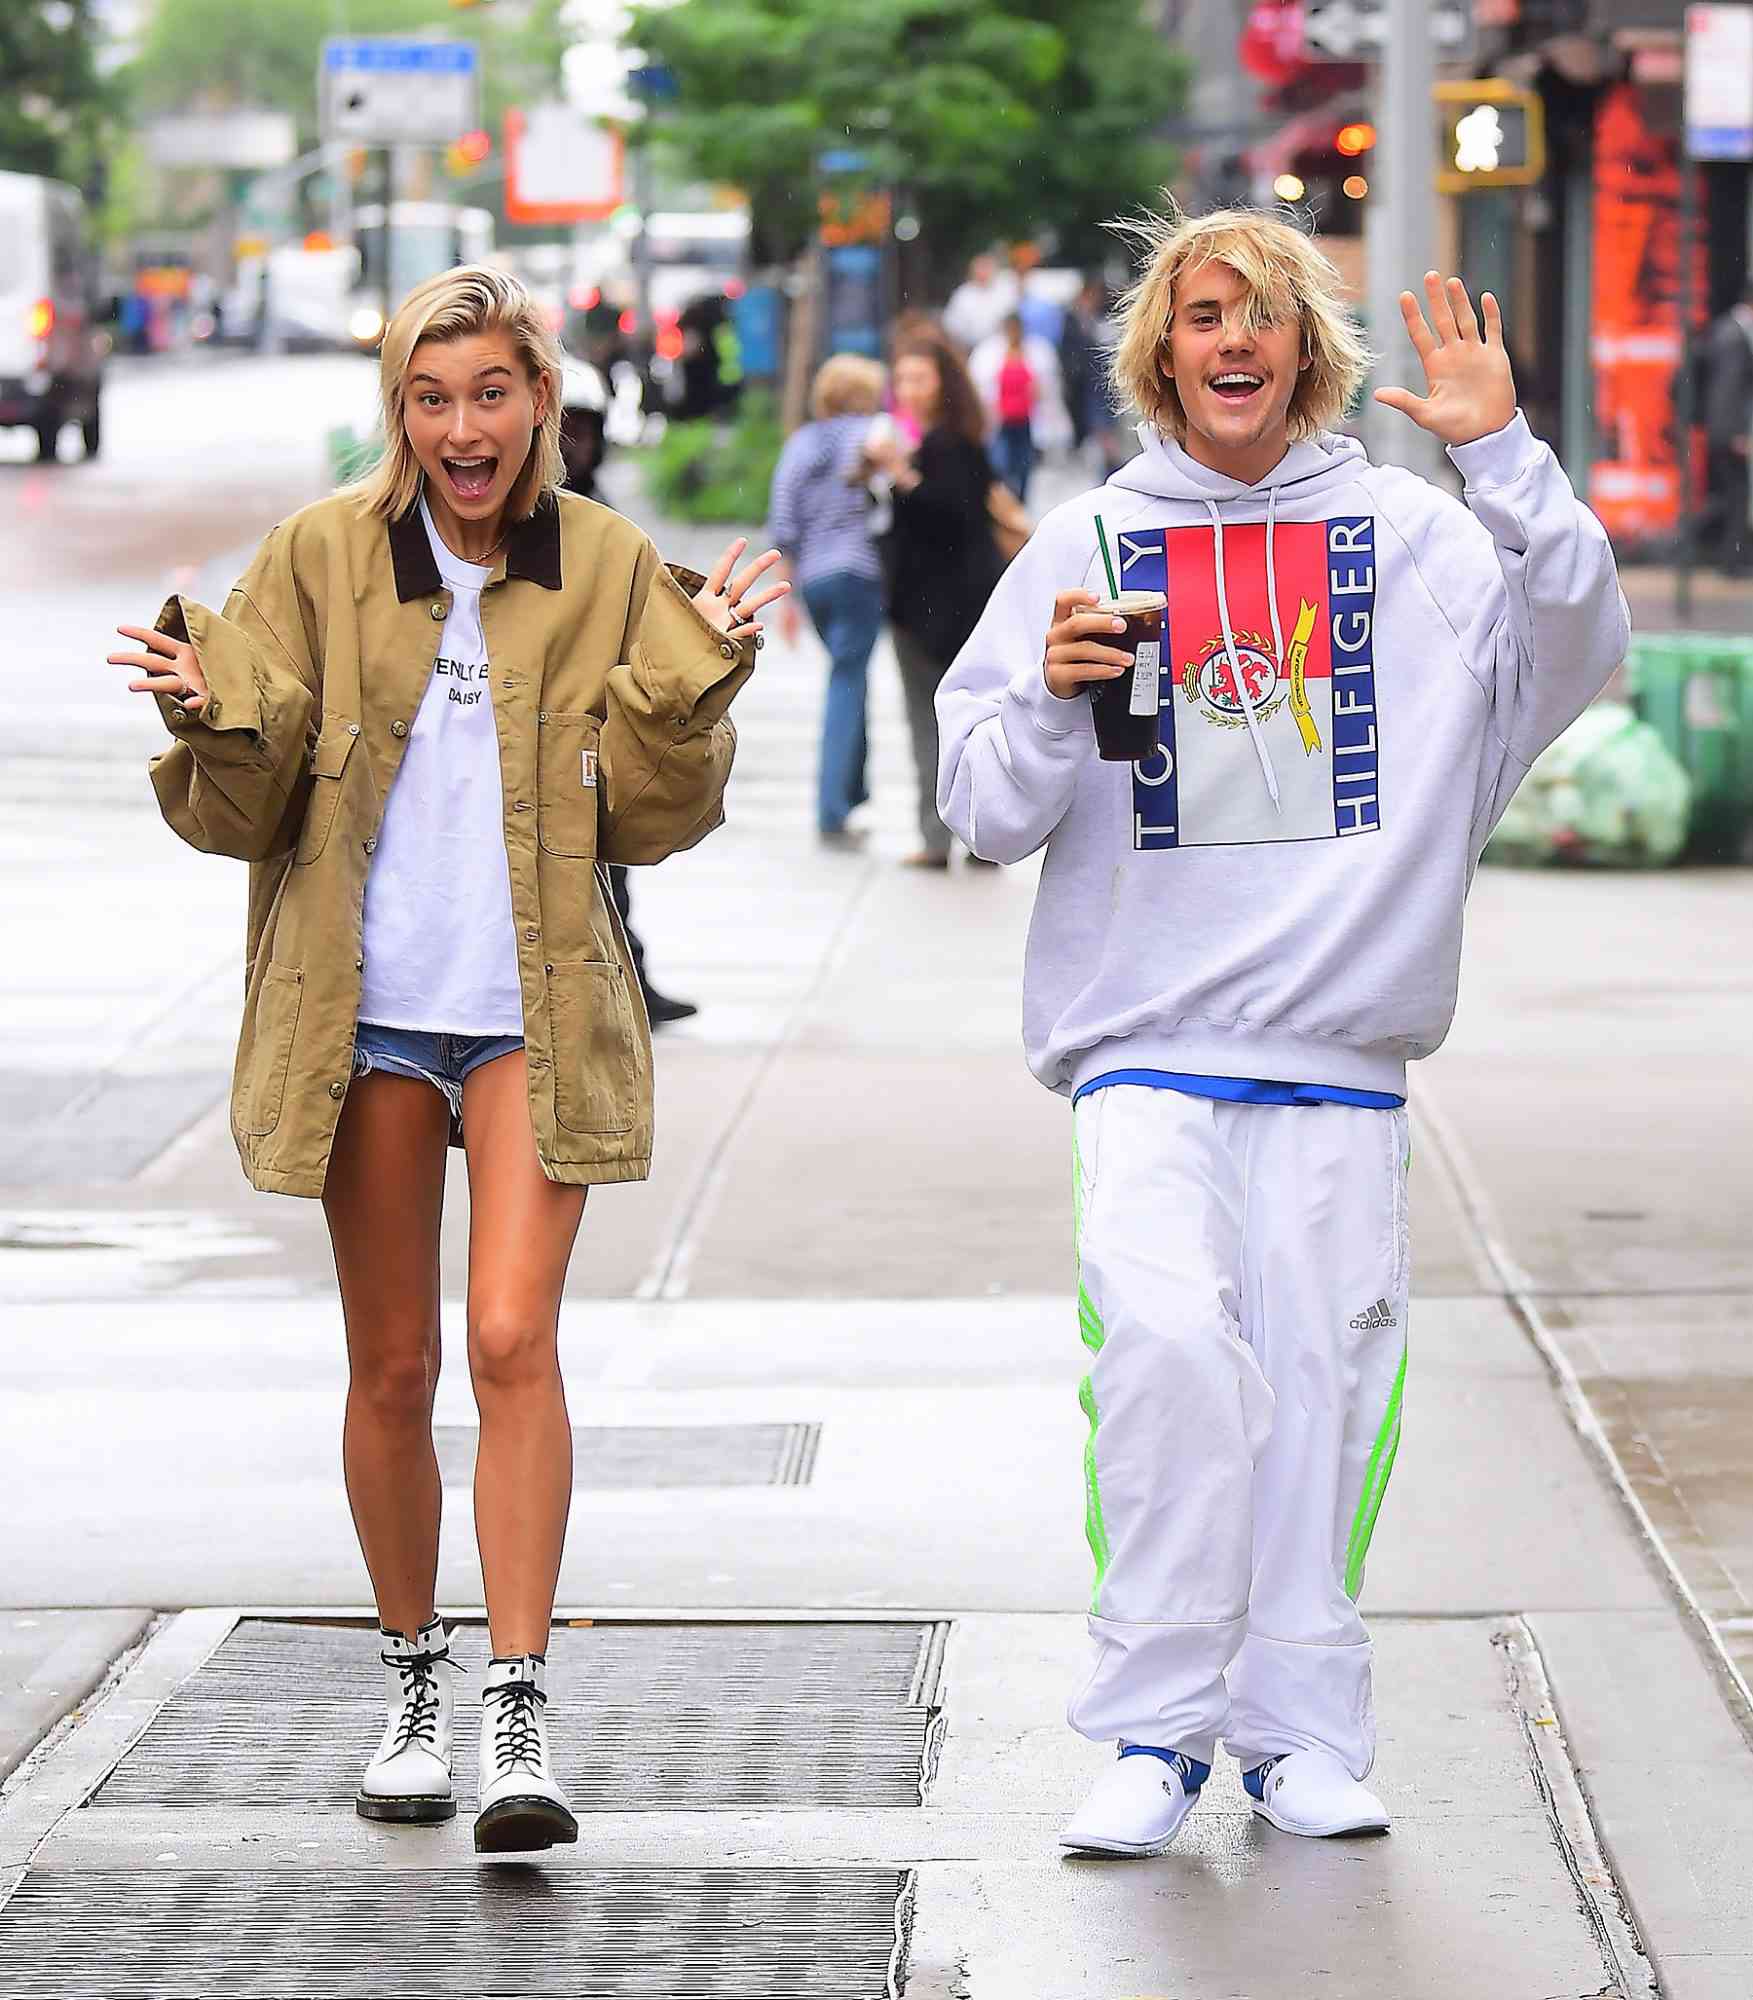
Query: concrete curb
[[49, 1662]]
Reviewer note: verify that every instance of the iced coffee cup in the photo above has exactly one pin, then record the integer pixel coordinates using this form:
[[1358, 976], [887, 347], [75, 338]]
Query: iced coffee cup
[[1126, 708]]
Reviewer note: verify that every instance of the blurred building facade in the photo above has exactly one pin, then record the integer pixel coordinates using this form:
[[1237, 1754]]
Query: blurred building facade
[[1607, 265]]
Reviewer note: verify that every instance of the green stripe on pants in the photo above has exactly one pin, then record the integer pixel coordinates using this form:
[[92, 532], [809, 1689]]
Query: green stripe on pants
[[1375, 1486], [1089, 1326]]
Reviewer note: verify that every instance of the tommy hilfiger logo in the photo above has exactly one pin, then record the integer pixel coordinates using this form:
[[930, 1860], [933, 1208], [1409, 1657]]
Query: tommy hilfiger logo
[[1380, 1314]]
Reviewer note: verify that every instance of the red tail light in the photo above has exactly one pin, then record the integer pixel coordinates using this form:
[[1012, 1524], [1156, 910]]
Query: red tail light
[[41, 319]]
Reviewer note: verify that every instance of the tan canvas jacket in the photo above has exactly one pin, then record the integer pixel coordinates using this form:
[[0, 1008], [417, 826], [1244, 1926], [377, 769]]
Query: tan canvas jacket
[[609, 700]]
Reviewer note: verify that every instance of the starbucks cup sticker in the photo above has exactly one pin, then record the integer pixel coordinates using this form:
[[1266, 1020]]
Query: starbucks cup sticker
[[1146, 666]]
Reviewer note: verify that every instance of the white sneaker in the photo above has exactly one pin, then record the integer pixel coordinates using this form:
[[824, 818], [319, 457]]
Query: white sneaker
[[1136, 1806], [1311, 1792], [521, 1806], [409, 1778]]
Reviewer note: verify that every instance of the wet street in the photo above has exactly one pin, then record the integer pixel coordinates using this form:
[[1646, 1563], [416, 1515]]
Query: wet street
[[827, 1544]]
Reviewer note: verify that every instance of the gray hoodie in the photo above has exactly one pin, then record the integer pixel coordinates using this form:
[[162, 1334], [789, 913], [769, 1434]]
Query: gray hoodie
[[1356, 674]]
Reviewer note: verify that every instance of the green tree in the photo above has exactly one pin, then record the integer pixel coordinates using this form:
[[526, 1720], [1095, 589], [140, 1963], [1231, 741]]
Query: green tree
[[992, 118], [53, 105]]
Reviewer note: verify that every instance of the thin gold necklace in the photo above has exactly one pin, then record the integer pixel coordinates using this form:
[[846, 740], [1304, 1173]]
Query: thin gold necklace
[[480, 562]]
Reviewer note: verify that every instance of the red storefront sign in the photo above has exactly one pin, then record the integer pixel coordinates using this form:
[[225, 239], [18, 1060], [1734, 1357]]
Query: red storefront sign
[[1638, 345]]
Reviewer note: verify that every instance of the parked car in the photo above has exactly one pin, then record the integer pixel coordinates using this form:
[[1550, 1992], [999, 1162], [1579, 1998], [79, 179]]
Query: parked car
[[52, 347]]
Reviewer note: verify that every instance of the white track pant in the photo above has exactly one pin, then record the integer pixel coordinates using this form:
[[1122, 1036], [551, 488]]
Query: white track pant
[[1243, 1289]]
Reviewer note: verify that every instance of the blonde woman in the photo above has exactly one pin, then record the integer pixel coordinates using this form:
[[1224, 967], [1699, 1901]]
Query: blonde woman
[[1239, 941], [819, 517], [432, 707]]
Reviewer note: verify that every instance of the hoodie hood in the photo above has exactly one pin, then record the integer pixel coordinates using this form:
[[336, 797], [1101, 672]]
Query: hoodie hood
[[1167, 471]]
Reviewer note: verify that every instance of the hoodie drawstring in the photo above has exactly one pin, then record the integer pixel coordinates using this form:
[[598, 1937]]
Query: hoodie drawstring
[[1229, 637]]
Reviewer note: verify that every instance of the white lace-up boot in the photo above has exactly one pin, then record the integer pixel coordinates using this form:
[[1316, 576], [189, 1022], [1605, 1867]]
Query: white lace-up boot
[[409, 1778], [522, 1808]]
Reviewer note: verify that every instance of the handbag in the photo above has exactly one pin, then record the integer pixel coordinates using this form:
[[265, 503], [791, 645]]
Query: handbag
[[1012, 524]]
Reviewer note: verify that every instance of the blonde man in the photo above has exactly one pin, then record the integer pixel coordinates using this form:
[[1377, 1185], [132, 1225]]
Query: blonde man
[[1240, 939]]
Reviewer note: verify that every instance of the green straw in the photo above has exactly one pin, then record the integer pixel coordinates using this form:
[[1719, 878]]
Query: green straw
[[1107, 560]]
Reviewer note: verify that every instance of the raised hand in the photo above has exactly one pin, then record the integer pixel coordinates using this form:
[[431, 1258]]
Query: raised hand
[[725, 603], [167, 666], [1470, 390]]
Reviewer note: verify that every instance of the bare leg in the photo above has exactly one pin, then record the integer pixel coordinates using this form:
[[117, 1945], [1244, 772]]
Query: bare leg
[[521, 1231], [383, 1199]]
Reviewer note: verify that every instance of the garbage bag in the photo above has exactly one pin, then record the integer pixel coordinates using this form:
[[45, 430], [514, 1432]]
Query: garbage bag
[[1607, 794]]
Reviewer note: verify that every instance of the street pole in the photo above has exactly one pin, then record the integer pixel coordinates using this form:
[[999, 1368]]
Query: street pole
[[1401, 228]]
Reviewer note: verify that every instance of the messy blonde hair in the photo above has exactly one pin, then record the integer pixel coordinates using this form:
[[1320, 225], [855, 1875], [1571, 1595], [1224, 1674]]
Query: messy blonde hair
[[847, 385], [1284, 277], [456, 305]]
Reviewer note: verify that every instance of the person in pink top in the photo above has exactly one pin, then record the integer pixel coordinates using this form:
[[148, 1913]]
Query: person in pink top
[[1014, 399]]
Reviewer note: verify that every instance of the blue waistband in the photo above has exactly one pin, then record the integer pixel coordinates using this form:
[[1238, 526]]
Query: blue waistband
[[1244, 1089]]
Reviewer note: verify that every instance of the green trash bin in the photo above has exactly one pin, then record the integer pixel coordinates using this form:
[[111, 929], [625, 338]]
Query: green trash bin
[[1695, 689]]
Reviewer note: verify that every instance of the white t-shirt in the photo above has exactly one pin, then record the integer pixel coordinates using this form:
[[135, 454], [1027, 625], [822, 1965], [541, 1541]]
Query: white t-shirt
[[440, 947]]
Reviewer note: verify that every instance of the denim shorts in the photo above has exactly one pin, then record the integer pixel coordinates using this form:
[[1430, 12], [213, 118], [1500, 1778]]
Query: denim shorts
[[440, 1060]]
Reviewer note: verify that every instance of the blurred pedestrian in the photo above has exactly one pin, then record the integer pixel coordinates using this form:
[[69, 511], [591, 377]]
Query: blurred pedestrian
[[941, 559], [584, 417], [700, 369], [1248, 919], [981, 303], [1728, 421], [907, 327], [430, 959], [819, 517], [1012, 390], [1083, 348], [1031, 367]]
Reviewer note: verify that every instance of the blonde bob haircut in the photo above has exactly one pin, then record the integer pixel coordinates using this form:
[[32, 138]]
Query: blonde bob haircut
[[456, 305], [1284, 277], [847, 385]]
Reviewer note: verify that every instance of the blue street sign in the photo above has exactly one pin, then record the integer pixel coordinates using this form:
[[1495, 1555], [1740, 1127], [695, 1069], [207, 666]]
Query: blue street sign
[[386, 90], [435, 58]]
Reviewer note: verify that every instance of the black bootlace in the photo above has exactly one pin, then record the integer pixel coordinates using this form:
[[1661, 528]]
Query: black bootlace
[[518, 1730], [420, 1704]]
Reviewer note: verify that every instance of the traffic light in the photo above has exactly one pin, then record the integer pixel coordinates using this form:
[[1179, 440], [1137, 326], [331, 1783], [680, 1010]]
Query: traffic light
[[463, 155], [1490, 134]]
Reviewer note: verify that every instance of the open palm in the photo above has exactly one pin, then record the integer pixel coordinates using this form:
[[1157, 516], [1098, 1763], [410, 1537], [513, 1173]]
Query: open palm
[[1470, 391]]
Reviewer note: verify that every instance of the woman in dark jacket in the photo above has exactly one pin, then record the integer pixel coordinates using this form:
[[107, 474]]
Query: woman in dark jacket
[[942, 562]]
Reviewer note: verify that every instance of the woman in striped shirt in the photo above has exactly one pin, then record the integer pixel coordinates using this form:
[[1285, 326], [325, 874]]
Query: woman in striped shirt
[[819, 518]]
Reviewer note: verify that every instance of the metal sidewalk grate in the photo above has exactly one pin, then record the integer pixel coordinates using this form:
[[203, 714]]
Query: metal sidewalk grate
[[650, 1455], [511, 1931], [641, 1717]]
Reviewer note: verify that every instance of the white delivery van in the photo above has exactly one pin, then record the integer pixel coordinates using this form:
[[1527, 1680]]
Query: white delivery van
[[51, 346]]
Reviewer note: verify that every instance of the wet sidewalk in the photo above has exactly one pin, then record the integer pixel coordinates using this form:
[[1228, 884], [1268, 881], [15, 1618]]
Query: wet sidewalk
[[819, 1606]]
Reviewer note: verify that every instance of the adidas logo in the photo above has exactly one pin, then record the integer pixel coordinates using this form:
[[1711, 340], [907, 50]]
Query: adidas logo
[[1380, 1314]]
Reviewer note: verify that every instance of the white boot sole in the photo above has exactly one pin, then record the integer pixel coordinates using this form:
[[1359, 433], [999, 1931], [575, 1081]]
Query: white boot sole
[[412, 1810], [1370, 1824], [524, 1826]]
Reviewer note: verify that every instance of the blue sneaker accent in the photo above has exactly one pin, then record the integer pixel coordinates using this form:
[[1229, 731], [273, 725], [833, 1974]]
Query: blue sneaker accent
[[1193, 1773], [1254, 1781]]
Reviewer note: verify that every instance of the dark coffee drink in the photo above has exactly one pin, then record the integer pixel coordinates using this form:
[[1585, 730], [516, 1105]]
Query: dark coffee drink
[[1126, 708]]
